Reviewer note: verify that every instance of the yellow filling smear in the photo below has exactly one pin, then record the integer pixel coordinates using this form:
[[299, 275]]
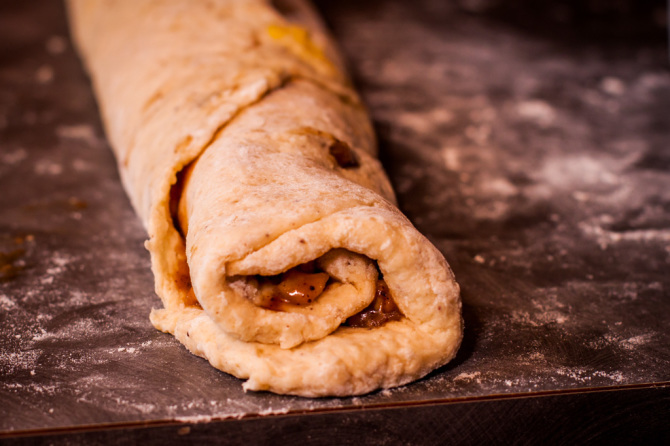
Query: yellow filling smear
[[298, 41]]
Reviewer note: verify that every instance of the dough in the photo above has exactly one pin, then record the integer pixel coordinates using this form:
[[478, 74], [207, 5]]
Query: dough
[[248, 156]]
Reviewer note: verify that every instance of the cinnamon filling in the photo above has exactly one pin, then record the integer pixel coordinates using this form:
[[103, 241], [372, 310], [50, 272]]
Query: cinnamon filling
[[343, 154], [302, 286], [382, 310], [299, 286]]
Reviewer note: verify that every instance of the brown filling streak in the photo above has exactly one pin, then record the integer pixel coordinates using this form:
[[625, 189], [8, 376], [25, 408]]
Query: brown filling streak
[[382, 310], [303, 284], [299, 286]]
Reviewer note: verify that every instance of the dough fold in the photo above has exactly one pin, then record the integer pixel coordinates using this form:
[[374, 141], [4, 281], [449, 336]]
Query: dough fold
[[244, 116]]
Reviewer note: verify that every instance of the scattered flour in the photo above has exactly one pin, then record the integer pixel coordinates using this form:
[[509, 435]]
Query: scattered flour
[[144, 407], [6, 303], [73, 331], [605, 237], [81, 132], [452, 158], [59, 262], [539, 318], [631, 343], [44, 74], [48, 167], [13, 157], [21, 360], [614, 376], [56, 45], [273, 411], [200, 418], [537, 111], [613, 86], [425, 121], [580, 374], [82, 166], [498, 187], [572, 171], [78, 298], [474, 376]]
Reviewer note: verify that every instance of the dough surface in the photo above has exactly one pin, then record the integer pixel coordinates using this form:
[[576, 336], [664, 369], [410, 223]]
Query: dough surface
[[253, 104]]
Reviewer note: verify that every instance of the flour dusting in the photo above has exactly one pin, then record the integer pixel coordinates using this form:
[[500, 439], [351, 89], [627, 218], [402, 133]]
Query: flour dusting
[[83, 132], [6, 304]]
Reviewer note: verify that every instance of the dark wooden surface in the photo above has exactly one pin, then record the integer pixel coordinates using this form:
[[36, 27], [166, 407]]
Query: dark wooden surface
[[609, 417], [530, 144]]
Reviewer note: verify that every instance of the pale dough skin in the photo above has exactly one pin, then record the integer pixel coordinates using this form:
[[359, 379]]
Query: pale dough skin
[[255, 105]]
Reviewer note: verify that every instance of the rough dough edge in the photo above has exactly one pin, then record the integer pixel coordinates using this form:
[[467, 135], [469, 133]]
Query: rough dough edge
[[348, 361]]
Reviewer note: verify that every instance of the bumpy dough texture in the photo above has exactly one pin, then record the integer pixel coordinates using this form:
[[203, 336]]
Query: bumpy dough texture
[[255, 99]]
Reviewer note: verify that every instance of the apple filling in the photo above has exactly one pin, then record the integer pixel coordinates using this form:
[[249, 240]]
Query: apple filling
[[382, 310], [302, 285], [299, 286]]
